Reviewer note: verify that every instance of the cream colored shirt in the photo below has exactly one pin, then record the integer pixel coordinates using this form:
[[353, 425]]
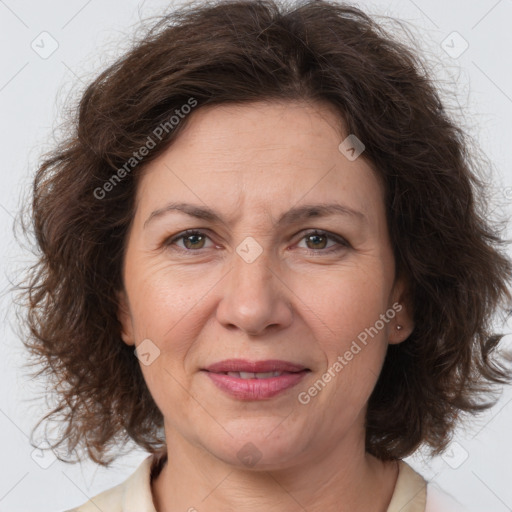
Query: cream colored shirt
[[134, 494]]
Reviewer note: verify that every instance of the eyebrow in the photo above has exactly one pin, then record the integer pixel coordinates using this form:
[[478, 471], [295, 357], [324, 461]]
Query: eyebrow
[[290, 217]]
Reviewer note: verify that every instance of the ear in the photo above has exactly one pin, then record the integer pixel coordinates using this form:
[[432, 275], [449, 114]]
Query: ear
[[125, 319], [402, 324]]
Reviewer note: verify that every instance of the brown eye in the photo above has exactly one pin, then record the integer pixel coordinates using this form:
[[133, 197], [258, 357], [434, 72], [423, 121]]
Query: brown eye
[[192, 241], [318, 240]]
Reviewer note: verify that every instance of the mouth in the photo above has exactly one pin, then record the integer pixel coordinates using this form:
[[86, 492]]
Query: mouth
[[256, 380]]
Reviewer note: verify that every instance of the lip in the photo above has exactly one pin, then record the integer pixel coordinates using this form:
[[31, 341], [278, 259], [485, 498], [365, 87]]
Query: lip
[[255, 389], [242, 365]]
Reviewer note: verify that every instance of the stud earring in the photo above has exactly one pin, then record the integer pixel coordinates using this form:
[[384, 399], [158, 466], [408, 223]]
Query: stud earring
[[398, 327]]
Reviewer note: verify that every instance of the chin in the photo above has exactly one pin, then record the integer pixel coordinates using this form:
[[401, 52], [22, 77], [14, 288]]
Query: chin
[[261, 447]]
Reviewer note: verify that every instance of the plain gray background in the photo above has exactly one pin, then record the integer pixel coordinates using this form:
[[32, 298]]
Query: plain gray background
[[477, 468]]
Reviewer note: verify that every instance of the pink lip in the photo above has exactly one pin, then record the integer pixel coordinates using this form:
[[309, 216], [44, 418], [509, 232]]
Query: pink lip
[[242, 365], [255, 389]]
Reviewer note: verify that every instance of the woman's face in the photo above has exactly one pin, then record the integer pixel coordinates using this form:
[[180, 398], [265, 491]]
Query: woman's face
[[256, 285]]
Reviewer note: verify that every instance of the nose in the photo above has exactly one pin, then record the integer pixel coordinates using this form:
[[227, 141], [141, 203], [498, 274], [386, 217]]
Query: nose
[[255, 298]]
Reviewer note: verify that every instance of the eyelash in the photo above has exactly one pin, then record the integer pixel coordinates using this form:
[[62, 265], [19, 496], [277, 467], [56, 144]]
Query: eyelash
[[343, 244]]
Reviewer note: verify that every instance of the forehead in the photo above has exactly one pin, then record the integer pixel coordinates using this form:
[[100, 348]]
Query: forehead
[[264, 155], [262, 132]]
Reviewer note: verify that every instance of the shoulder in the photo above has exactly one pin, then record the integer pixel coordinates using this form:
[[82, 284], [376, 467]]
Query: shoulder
[[413, 493], [409, 494], [134, 492], [111, 500], [439, 500]]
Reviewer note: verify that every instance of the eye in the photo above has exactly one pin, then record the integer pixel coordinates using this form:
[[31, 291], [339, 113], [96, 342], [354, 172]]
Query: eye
[[192, 240], [316, 240]]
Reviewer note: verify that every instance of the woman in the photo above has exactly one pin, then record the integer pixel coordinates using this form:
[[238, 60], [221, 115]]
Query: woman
[[271, 209]]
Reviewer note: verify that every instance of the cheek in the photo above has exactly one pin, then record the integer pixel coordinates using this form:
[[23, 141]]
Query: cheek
[[342, 303], [167, 310], [163, 298], [344, 310]]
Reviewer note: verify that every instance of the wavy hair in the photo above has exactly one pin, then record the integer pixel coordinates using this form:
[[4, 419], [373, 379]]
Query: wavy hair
[[224, 52]]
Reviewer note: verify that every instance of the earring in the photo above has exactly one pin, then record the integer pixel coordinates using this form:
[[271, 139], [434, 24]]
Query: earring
[[398, 327]]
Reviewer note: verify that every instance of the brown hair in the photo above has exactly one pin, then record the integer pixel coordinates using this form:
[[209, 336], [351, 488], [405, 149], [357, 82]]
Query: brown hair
[[246, 51]]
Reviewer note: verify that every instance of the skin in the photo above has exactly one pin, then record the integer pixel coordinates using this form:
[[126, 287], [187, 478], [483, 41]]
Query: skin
[[297, 301]]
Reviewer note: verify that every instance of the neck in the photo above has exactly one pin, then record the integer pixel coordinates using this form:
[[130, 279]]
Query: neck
[[342, 479]]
